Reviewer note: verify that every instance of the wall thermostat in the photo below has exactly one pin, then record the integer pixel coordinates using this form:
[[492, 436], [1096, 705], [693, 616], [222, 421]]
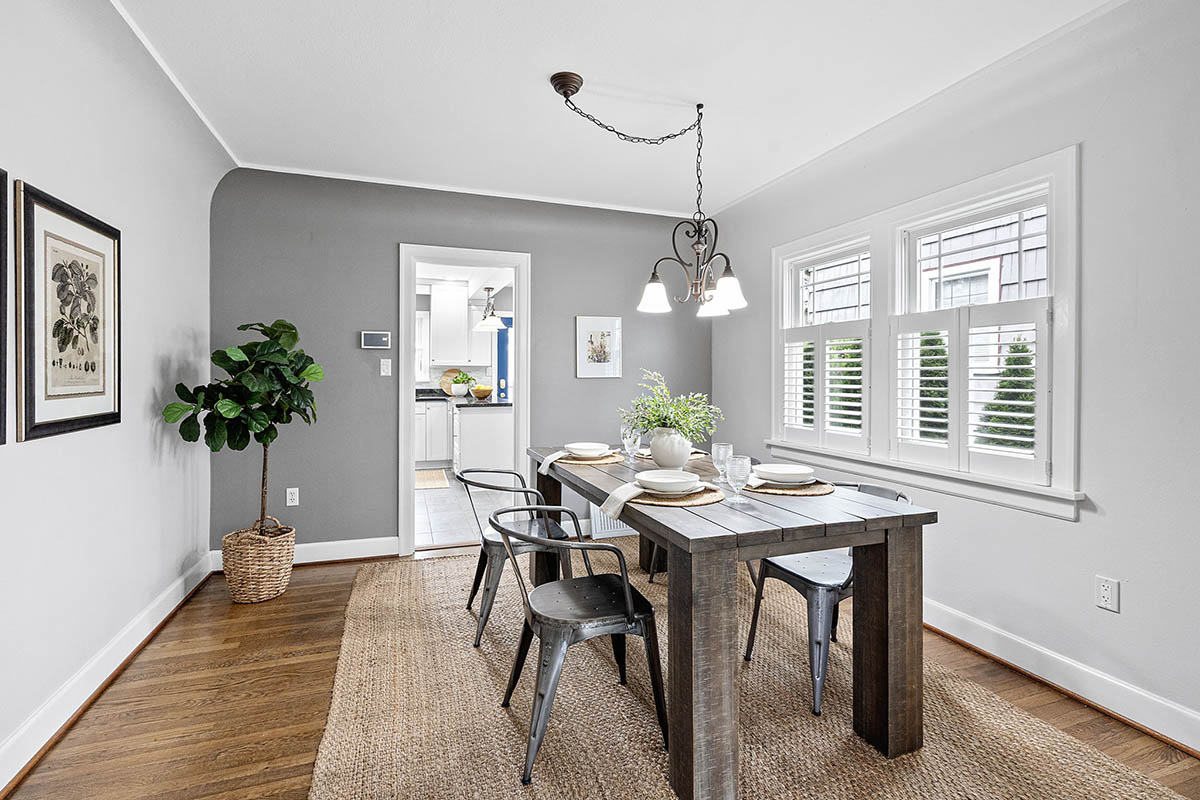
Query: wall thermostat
[[375, 340]]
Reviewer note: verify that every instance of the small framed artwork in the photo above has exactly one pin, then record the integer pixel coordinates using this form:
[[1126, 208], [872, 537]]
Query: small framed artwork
[[68, 317], [597, 347], [3, 306]]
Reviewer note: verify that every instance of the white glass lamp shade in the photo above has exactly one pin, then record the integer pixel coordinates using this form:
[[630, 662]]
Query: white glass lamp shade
[[729, 291], [712, 308], [654, 297], [490, 323]]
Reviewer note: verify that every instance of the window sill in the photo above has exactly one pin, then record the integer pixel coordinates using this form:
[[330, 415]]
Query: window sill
[[1047, 500]]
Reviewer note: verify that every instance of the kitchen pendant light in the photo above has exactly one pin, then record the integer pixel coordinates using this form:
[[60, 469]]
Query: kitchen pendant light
[[699, 234], [489, 322]]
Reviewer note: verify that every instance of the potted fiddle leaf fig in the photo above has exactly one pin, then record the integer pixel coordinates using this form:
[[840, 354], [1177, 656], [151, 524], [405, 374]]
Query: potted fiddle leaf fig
[[267, 387]]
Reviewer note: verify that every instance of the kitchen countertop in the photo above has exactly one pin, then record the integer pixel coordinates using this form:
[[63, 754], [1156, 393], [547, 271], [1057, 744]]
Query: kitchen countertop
[[461, 402]]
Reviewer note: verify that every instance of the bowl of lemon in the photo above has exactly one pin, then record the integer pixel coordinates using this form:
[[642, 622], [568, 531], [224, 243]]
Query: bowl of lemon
[[481, 392]]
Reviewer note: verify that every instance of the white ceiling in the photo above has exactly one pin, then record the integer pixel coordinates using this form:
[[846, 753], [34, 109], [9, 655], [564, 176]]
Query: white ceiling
[[456, 95]]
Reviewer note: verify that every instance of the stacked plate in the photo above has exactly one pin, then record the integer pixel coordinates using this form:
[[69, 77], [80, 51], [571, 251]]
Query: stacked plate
[[588, 450], [785, 474], [669, 482]]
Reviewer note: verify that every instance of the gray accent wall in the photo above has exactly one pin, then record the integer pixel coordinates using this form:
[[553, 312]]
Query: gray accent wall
[[323, 253], [1018, 584]]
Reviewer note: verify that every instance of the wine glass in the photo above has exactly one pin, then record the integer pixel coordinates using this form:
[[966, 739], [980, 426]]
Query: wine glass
[[738, 471], [721, 451], [631, 438]]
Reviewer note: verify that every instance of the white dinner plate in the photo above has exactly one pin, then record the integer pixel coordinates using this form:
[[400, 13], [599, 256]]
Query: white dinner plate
[[667, 480], [791, 474], [686, 492], [587, 449], [788, 484]]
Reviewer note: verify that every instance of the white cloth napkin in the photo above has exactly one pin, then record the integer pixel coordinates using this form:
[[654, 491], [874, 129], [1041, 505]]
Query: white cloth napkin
[[544, 469]]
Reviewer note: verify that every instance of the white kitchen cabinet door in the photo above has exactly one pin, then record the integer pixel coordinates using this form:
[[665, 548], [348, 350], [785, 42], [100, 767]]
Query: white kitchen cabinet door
[[480, 354], [485, 438], [448, 329], [419, 446], [437, 432]]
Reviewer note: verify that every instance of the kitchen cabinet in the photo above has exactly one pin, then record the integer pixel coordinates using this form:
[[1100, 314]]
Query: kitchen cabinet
[[421, 432], [437, 427], [483, 437], [479, 351], [448, 324]]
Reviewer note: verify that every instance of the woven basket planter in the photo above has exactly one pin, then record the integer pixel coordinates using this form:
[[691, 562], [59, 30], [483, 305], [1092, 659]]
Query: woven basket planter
[[258, 560]]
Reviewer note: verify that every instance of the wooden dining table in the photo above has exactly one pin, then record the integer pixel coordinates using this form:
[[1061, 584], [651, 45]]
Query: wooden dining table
[[704, 545]]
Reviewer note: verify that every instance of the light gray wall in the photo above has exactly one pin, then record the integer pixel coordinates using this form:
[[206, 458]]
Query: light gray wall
[[1125, 87], [97, 525], [323, 254]]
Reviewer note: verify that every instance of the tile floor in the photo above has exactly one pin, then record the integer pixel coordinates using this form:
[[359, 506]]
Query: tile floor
[[444, 517]]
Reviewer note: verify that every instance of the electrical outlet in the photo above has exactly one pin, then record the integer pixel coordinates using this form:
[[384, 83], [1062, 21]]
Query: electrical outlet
[[293, 496], [385, 367], [1108, 594]]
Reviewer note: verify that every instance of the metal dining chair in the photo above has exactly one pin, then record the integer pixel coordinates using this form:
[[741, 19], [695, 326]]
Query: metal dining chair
[[491, 549], [825, 578], [563, 613]]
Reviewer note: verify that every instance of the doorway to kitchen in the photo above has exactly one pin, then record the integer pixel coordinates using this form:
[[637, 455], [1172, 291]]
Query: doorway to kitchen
[[463, 377]]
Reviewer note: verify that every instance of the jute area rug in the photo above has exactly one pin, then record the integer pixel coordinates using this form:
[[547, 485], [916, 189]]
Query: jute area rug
[[432, 479], [416, 712]]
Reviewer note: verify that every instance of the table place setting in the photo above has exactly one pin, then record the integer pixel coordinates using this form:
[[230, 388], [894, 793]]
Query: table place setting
[[662, 487], [786, 479], [582, 453]]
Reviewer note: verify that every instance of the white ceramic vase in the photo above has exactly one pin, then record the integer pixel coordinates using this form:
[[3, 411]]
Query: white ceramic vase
[[459, 389], [669, 449]]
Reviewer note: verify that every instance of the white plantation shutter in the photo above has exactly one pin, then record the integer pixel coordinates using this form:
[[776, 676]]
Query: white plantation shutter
[[924, 373], [1006, 413], [799, 385], [825, 399]]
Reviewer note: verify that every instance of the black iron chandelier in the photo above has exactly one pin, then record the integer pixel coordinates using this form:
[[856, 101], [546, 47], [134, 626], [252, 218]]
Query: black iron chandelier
[[716, 296]]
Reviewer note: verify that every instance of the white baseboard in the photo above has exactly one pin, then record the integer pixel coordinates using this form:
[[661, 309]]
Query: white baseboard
[[1145, 708], [23, 744], [343, 550]]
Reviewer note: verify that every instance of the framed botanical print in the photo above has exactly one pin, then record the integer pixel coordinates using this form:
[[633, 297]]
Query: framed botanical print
[[3, 306], [597, 347], [68, 317]]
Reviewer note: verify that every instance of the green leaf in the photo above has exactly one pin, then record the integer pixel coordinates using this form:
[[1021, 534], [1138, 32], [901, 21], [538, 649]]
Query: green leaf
[[255, 382], [236, 353], [255, 326], [313, 372], [284, 333], [215, 432], [238, 436], [288, 375], [175, 411], [199, 400], [221, 359], [189, 429], [184, 393], [256, 419], [267, 435], [228, 408]]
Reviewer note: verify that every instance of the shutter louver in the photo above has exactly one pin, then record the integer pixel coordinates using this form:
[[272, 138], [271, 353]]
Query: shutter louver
[[844, 385], [923, 387], [799, 384], [1002, 375]]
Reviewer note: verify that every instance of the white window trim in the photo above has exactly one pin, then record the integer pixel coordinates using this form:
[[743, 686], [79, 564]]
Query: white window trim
[[1055, 175]]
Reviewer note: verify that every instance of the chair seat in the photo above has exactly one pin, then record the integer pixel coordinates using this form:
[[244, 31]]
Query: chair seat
[[529, 527], [592, 599], [828, 568]]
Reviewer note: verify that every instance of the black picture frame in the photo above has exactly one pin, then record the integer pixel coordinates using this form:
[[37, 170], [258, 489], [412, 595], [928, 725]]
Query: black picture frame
[[3, 307], [26, 200]]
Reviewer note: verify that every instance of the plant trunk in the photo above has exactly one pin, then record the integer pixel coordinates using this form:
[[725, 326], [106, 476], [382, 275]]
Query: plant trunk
[[262, 514]]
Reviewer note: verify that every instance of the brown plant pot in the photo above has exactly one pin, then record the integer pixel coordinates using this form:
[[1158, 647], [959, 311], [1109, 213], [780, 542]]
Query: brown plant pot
[[257, 561]]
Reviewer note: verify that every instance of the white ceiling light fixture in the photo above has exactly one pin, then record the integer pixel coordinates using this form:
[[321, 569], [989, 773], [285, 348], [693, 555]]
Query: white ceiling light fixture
[[489, 322], [698, 233]]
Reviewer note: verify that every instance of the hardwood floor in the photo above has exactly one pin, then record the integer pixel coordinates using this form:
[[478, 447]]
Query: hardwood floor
[[230, 701]]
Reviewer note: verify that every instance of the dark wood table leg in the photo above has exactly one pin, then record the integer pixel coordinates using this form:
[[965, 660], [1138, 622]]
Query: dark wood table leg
[[543, 564], [701, 662], [645, 545], [888, 680]]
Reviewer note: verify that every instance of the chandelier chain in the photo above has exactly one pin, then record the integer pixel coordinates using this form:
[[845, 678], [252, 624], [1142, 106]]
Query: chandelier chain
[[628, 137], [699, 215]]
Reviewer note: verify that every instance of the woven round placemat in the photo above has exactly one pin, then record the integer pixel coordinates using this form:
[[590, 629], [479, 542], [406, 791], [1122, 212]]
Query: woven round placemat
[[614, 458], [707, 497], [807, 490]]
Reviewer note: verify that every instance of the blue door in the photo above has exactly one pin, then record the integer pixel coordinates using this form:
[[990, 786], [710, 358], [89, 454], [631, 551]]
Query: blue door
[[502, 339]]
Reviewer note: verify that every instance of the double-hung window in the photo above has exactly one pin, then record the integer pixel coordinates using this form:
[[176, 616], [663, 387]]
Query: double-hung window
[[935, 343], [826, 347]]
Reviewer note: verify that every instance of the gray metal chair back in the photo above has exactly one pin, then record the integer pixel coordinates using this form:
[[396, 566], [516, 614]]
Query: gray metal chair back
[[563, 613], [491, 549], [825, 578]]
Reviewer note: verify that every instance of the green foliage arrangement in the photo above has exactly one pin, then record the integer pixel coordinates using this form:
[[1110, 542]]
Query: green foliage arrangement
[[268, 386], [690, 414], [463, 377]]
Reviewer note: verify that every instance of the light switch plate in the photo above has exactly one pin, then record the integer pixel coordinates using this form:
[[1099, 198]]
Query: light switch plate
[[385, 367]]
